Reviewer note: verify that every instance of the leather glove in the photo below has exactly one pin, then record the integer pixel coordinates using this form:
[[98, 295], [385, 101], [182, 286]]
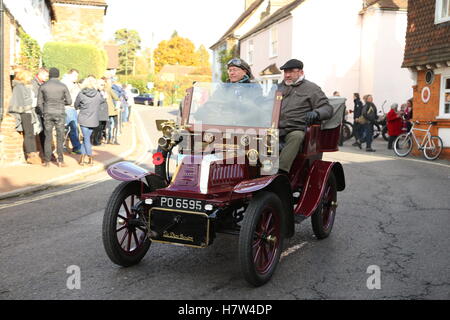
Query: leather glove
[[311, 117]]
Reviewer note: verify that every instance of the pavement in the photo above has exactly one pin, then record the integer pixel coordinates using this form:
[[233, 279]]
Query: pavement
[[20, 179]]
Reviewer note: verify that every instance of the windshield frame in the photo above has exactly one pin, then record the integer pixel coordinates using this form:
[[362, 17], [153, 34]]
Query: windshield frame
[[186, 110]]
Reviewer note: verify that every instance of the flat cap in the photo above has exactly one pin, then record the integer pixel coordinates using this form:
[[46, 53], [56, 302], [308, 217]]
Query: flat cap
[[292, 64]]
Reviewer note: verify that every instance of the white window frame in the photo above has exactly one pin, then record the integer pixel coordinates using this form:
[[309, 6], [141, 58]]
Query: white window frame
[[438, 13], [273, 49], [250, 52], [443, 91]]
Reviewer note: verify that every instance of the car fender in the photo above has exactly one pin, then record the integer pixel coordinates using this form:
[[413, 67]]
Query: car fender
[[127, 171], [315, 185]]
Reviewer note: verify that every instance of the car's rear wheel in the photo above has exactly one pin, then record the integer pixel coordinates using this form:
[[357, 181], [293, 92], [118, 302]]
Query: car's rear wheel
[[261, 238], [124, 235], [323, 218]]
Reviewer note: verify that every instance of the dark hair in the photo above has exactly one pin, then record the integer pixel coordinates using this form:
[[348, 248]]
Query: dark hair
[[356, 94]]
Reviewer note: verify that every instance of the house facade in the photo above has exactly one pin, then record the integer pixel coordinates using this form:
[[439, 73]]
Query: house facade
[[42, 20], [34, 17], [254, 12], [427, 56], [360, 49]]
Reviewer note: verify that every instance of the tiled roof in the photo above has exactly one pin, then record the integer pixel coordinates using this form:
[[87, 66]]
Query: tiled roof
[[239, 20], [278, 15], [426, 42], [387, 4]]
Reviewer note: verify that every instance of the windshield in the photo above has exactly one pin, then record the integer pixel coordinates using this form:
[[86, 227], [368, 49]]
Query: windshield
[[232, 104]]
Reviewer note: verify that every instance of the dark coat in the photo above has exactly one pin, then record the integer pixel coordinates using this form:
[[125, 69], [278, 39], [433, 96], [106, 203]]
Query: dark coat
[[394, 123], [103, 114], [88, 102], [299, 99], [357, 110], [53, 96], [369, 112], [22, 99]]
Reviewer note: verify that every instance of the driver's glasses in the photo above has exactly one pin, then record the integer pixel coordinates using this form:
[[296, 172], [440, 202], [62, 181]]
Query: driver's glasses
[[235, 62]]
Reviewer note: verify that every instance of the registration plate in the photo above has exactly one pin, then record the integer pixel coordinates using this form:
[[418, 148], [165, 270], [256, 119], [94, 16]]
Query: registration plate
[[182, 204]]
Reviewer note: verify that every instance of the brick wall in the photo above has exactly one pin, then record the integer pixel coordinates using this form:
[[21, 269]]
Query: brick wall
[[11, 142], [430, 110], [79, 24]]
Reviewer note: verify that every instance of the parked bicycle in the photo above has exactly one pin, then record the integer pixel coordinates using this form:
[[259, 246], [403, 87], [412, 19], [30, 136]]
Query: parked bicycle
[[431, 146]]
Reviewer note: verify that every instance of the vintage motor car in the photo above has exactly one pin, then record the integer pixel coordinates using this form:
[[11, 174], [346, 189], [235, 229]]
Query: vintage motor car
[[225, 180]]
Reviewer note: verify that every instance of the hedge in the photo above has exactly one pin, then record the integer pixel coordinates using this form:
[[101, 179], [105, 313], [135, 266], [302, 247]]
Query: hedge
[[86, 58]]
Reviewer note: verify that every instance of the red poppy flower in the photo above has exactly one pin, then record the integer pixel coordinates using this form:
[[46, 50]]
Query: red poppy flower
[[158, 158]]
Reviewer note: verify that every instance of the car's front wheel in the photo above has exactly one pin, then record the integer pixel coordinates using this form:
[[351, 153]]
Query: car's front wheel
[[261, 238], [124, 233]]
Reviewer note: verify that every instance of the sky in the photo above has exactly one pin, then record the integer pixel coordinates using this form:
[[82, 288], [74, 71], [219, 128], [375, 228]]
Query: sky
[[202, 21]]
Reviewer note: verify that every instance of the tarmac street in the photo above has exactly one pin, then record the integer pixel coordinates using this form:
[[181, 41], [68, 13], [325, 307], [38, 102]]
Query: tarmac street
[[389, 241]]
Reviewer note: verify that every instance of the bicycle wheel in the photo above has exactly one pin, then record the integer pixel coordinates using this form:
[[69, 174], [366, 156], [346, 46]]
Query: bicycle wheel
[[403, 145], [433, 148]]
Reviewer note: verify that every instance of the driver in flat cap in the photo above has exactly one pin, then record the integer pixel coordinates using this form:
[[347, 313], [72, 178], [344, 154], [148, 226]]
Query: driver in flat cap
[[303, 103]]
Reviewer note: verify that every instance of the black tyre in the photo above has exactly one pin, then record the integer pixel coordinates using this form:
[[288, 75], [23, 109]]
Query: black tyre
[[384, 133], [433, 148], [261, 238], [125, 241], [403, 145], [323, 218], [376, 130], [347, 131]]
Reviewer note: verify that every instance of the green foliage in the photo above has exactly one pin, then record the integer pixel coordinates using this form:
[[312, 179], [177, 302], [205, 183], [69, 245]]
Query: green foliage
[[224, 57], [129, 43], [86, 58], [30, 52], [138, 82]]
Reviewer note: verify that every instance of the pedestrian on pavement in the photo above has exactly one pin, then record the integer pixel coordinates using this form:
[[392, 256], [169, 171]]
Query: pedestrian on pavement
[[160, 99], [99, 134], [88, 102], [22, 107], [123, 106], [53, 96], [70, 79], [113, 123], [357, 111], [129, 98], [303, 103], [40, 78], [369, 113], [408, 115], [394, 124]]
